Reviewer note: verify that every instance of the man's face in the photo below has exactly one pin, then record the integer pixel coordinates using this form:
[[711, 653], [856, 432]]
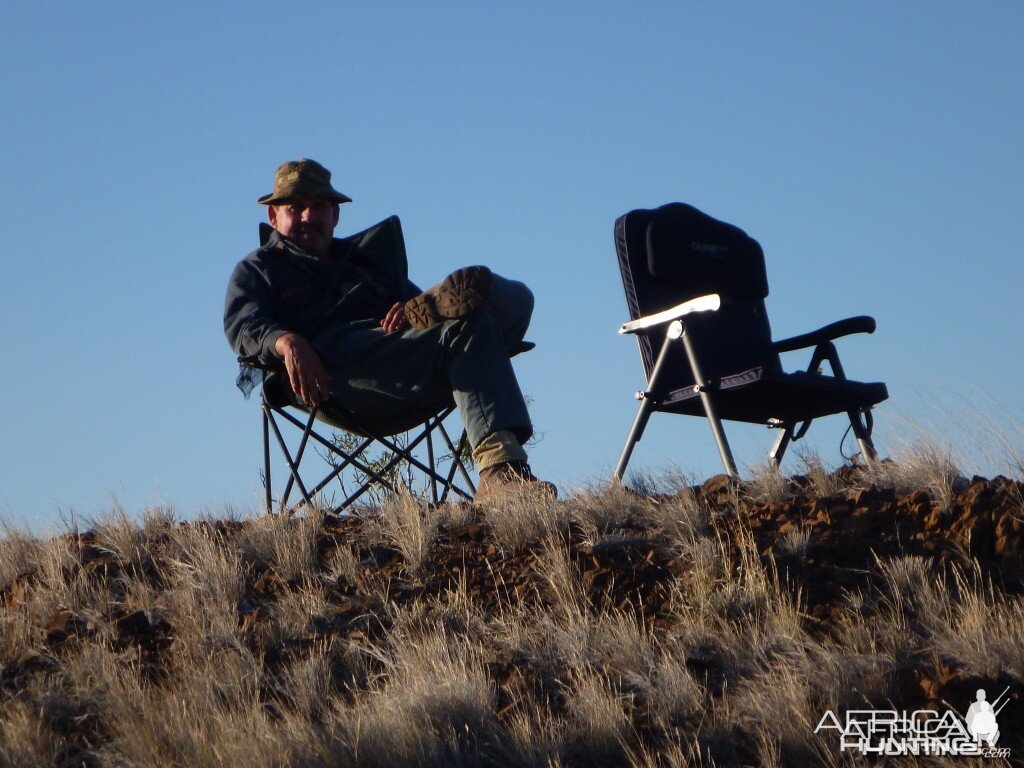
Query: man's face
[[307, 222]]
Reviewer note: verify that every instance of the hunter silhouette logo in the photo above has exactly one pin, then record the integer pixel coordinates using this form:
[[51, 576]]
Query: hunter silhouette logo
[[892, 732], [981, 718]]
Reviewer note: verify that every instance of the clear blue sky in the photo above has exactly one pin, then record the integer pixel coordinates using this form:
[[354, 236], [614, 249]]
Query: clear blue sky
[[874, 149]]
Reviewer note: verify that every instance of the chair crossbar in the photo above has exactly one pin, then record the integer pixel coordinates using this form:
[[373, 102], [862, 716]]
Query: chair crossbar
[[348, 459], [457, 464], [431, 424], [301, 450], [292, 465], [442, 486]]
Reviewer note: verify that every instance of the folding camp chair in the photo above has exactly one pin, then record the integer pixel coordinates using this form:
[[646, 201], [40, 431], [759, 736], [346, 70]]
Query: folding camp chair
[[697, 283], [405, 446]]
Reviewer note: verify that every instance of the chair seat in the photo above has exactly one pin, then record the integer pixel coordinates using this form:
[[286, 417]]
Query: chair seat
[[278, 394], [759, 394]]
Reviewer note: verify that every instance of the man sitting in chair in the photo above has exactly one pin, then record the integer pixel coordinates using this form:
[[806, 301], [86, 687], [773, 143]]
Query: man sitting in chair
[[359, 333]]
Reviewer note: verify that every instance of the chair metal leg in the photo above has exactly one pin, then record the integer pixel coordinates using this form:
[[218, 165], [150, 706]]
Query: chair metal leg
[[709, 406], [863, 435], [399, 454], [781, 444], [291, 464], [300, 451], [268, 492], [647, 401], [441, 486], [861, 430], [430, 461], [348, 460], [643, 415]]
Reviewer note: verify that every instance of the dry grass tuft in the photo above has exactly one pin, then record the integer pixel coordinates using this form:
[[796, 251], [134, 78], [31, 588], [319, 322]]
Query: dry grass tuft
[[599, 727], [26, 741], [409, 527], [283, 544], [524, 520], [921, 465], [682, 518], [767, 485], [823, 483], [434, 707], [976, 628], [208, 583]]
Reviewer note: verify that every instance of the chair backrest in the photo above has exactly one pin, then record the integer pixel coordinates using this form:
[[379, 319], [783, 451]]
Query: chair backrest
[[383, 241], [674, 253]]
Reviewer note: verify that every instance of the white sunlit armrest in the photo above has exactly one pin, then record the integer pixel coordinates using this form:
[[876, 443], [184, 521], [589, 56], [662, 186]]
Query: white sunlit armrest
[[708, 303]]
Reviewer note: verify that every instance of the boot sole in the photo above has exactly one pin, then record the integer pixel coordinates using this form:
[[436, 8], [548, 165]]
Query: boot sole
[[459, 295]]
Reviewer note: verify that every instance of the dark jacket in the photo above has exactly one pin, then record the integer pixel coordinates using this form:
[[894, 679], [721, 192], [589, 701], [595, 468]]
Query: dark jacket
[[280, 288]]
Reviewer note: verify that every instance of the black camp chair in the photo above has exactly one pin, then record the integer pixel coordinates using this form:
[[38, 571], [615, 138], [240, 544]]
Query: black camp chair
[[692, 279], [404, 446]]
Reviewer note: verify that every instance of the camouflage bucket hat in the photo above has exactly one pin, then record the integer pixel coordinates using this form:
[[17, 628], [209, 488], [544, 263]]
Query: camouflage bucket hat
[[302, 178]]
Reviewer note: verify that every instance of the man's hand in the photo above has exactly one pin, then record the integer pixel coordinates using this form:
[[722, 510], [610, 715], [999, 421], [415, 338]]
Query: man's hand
[[306, 373], [395, 319]]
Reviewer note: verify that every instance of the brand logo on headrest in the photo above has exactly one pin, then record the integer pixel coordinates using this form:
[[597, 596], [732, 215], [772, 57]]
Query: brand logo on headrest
[[709, 249]]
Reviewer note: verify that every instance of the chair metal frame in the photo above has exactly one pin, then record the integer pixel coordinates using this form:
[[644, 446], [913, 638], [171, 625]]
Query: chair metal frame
[[861, 421], [442, 486]]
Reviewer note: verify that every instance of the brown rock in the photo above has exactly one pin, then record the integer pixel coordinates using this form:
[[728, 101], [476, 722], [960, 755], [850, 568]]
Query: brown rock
[[717, 485], [63, 624]]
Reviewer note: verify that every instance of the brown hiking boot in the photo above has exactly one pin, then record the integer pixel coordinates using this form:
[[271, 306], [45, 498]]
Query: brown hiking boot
[[511, 477], [459, 295]]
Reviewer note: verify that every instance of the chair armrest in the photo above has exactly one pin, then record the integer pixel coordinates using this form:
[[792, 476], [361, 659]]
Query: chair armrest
[[859, 324], [708, 303], [521, 347]]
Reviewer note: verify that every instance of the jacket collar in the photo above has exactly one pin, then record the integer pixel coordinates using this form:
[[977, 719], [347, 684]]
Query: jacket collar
[[270, 237]]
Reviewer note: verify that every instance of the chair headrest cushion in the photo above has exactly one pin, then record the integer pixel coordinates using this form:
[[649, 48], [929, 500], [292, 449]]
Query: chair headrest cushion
[[693, 251]]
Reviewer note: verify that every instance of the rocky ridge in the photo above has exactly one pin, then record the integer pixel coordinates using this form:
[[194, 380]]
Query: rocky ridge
[[828, 552]]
